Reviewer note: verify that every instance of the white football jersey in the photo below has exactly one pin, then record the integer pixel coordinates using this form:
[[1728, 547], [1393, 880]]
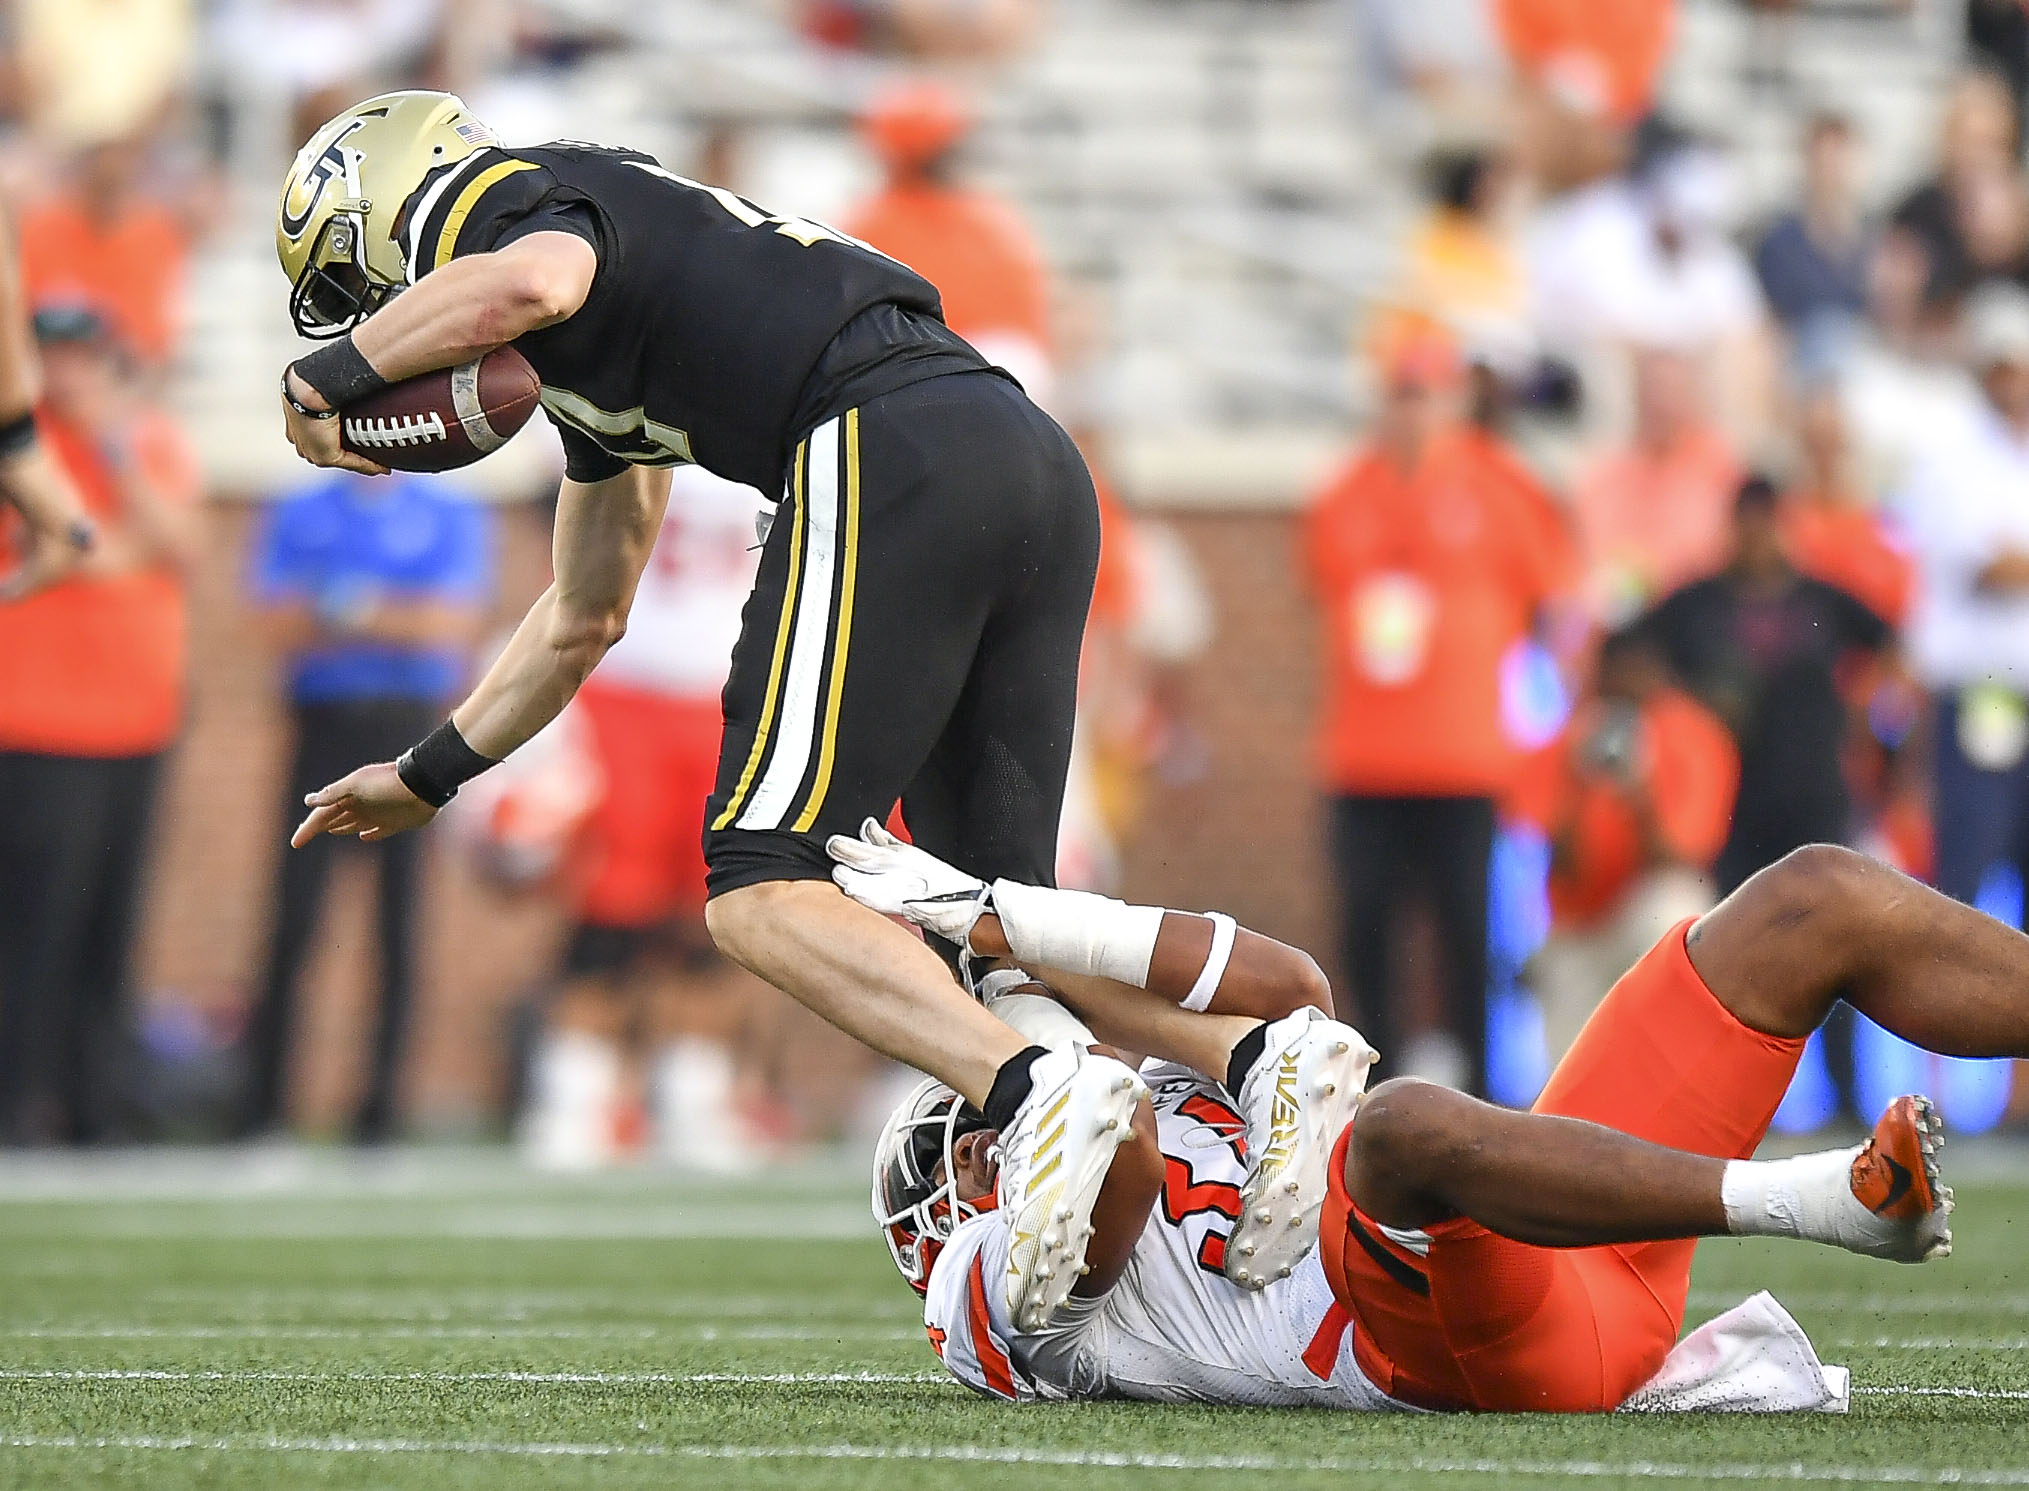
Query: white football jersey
[[1174, 1329], [686, 616]]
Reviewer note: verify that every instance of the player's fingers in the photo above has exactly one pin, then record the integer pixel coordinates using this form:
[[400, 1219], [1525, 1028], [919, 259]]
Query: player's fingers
[[849, 851], [319, 821], [347, 461], [879, 837]]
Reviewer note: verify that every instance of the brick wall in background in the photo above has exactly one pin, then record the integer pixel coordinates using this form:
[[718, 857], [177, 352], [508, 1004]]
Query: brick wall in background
[[1243, 837]]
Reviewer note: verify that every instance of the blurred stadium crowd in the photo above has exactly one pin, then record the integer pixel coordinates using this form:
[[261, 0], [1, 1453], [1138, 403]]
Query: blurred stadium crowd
[[1682, 518]]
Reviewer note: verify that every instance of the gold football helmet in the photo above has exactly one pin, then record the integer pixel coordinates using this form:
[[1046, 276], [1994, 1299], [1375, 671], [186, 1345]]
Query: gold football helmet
[[339, 229]]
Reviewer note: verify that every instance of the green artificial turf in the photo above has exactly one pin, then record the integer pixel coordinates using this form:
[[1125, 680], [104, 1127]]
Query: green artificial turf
[[438, 1320]]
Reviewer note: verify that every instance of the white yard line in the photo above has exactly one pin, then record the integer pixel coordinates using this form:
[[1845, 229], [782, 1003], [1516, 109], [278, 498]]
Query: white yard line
[[628, 1379], [124, 1332], [1925, 1343], [1792, 1471], [597, 1379]]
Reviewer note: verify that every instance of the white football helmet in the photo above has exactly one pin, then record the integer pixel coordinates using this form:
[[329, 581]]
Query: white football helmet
[[917, 1205]]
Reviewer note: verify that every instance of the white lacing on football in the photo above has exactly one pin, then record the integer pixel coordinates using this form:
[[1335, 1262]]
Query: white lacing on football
[[396, 430], [1295, 1102], [1054, 1157], [471, 413]]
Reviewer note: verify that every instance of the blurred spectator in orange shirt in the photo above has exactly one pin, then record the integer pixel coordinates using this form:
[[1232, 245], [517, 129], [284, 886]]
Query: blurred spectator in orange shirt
[[969, 244], [105, 244], [1831, 529], [91, 696], [1599, 59], [1431, 558], [1657, 512], [1643, 789]]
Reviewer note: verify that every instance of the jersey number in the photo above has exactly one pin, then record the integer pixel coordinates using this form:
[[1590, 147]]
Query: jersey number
[[805, 231]]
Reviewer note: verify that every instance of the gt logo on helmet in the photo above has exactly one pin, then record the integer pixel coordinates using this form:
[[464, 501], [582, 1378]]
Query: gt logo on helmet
[[337, 162]]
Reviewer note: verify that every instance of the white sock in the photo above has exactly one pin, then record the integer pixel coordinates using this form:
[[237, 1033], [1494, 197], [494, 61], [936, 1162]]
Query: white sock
[[1807, 1196], [574, 1085]]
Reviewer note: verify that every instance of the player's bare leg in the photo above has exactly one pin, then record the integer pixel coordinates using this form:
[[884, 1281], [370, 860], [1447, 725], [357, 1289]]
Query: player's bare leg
[[1422, 1154], [869, 977], [1825, 924]]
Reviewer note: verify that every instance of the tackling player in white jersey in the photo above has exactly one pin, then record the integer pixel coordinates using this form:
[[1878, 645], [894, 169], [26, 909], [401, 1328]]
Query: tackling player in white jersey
[[1468, 1257]]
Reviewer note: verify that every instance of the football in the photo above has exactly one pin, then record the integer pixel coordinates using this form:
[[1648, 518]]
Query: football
[[443, 420]]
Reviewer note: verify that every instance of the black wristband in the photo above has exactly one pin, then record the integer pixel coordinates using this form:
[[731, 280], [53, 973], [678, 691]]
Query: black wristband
[[339, 373], [17, 434], [289, 398], [435, 767]]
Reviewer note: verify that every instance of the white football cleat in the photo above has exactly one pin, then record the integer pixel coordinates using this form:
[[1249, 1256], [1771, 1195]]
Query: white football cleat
[[1054, 1156], [1296, 1102]]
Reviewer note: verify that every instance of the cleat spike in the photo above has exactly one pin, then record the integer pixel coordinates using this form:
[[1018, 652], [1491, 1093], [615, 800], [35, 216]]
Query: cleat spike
[[1109, 1126], [1084, 1269], [1063, 1213], [1264, 1216], [1247, 1250], [1340, 1048], [1128, 1134], [1283, 1272]]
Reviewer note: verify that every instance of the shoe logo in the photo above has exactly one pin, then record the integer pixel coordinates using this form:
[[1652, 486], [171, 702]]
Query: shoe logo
[[1899, 1182], [1282, 1118], [1046, 1145]]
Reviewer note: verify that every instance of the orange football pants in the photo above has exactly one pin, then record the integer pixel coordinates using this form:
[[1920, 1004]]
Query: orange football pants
[[1479, 1322]]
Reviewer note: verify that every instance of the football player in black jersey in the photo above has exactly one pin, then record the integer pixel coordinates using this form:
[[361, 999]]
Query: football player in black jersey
[[914, 632]]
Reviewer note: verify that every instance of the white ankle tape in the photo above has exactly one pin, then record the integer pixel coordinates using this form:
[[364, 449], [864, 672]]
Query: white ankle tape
[[1078, 932], [1221, 954]]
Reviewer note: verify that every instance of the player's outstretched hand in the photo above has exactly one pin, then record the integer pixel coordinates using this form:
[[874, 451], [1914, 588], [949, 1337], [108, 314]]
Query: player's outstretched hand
[[886, 875], [373, 802], [317, 440]]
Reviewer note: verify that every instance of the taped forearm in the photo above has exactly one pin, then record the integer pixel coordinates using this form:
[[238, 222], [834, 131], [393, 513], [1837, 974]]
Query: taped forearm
[[1078, 932]]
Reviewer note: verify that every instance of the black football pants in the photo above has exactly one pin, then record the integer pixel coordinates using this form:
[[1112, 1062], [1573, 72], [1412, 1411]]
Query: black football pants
[[913, 634]]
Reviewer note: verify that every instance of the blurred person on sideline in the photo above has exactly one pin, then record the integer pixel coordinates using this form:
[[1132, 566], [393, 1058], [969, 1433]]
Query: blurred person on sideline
[[1654, 513], [104, 241], [1997, 33], [1965, 510], [97, 70], [1644, 778], [1833, 528], [1968, 220], [1431, 559], [1464, 258], [1901, 377], [1812, 260], [973, 246], [1599, 60], [43, 521], [1836, 532], [960, 31], [639, 969], [1647, 260], [374, 589], [1761, 644], [92, 693]]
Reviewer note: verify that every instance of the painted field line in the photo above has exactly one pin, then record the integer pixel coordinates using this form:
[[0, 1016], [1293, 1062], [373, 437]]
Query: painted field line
[[1926, 1343], [596, 1379], [682, 1379], [1872, 1304], [458, 1333], [1659, 1470]]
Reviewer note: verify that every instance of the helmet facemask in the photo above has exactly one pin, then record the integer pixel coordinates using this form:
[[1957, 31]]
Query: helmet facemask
[[336, 291], [915, 1194]]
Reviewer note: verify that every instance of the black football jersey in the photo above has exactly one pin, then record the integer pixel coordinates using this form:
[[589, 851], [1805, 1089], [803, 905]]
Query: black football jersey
[[712, 332]]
